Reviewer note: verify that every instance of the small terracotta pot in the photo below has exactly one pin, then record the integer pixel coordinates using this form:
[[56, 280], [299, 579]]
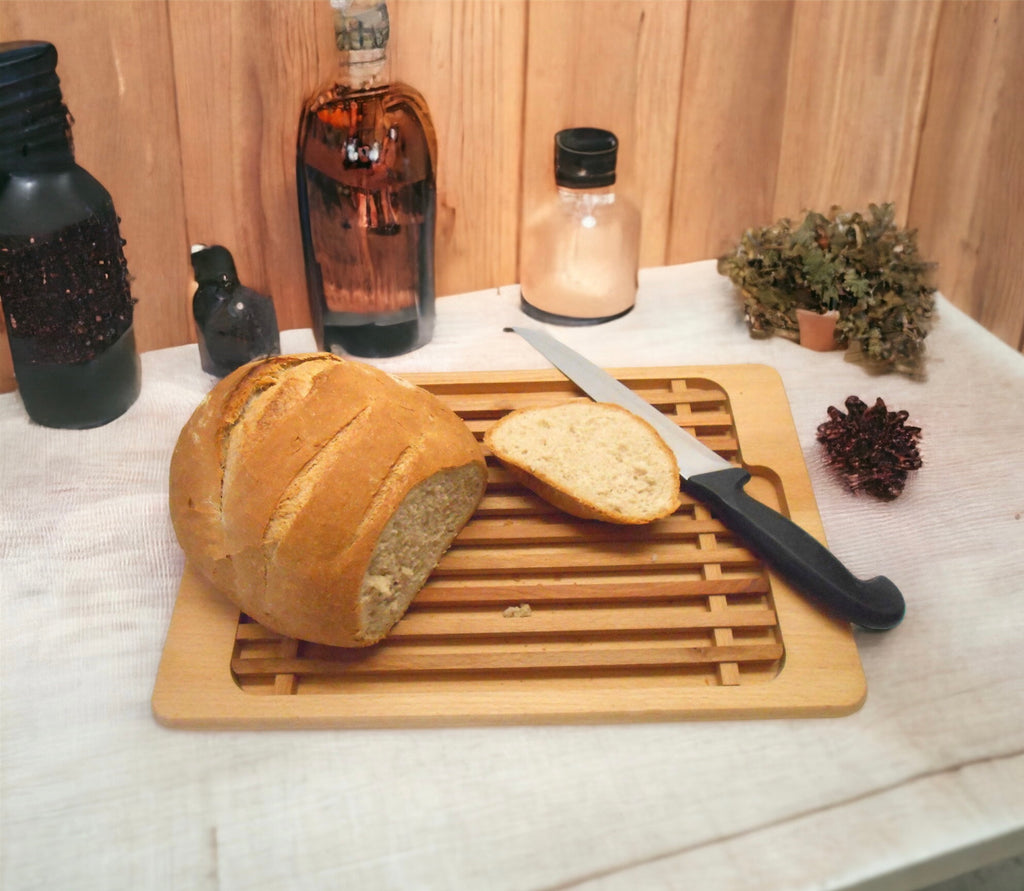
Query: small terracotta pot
[[818, 329]]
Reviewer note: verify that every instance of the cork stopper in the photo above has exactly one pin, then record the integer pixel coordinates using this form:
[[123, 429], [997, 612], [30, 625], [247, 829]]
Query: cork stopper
[[361, 25], [361, 33]]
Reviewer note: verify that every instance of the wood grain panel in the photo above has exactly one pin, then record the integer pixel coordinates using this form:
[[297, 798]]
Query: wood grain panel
[[968, 200], [466, 57], [730, 124], [858, 80], [611, 65], [730, 114]]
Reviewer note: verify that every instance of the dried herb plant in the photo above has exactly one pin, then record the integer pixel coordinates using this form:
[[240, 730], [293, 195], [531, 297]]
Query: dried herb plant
[[864, 266]]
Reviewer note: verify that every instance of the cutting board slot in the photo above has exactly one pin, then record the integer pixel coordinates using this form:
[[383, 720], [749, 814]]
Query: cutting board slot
[[527, 590]]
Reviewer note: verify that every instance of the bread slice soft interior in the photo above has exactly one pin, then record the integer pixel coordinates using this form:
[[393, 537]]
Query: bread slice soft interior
[[412, 542], [593, 460]]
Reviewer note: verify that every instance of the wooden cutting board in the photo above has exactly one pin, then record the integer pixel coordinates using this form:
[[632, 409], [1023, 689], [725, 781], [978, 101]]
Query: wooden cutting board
[[534, 616]]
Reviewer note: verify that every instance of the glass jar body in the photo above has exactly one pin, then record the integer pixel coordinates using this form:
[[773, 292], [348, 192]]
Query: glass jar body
[[581, 257]]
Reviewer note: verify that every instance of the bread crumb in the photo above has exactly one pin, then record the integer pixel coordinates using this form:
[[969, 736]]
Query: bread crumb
[[517, 612]]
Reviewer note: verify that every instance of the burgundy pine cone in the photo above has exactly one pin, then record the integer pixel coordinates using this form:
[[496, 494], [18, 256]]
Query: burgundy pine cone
[[873, 449]]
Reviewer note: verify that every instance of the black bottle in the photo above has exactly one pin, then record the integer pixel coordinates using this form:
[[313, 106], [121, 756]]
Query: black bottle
[[234, 324], [64, 282]]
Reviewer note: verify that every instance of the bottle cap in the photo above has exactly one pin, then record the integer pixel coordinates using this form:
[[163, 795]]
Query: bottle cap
[[33, 118], [361, 25], [585, 157], [22, 60], [213, 264]]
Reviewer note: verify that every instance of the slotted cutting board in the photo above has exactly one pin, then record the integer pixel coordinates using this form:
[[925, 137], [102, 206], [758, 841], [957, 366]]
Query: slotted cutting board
[[535, 616]]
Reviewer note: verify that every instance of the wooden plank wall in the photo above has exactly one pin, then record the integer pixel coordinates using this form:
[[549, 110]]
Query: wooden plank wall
[[730, 113]]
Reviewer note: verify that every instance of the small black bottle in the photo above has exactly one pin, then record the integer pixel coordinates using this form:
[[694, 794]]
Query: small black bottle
[[64, 282], [234, 324]]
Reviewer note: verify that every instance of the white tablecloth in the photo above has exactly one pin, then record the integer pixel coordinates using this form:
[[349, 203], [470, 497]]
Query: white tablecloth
[[95, 794]]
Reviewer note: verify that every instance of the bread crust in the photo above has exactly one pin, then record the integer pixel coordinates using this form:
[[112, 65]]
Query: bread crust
[[285, 476]]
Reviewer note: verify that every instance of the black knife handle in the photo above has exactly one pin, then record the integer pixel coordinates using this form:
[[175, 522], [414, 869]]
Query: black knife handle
[[876, 604]]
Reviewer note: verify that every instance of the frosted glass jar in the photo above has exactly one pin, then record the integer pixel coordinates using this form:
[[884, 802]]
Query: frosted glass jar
[[581, 250]]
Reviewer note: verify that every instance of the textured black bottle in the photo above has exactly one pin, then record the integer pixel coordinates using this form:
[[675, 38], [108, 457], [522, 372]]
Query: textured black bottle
[[64, 282]]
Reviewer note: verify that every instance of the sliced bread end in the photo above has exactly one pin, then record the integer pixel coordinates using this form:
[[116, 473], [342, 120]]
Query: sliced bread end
[[592, 460]]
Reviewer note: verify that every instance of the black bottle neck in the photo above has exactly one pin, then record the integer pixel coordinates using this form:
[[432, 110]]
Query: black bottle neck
[[40, 141], [35, 126], [213, 266]]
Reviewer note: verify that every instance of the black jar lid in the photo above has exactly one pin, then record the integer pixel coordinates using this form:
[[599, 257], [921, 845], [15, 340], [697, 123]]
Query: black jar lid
[[24, 59], [28, 75], [585, 157]]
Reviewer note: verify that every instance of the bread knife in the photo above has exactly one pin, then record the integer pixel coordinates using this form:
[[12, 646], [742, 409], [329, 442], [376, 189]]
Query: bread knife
[[875, 604]]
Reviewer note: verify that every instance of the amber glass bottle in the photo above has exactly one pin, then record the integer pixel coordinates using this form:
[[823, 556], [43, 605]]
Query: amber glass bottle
[[367, 197], [64, 283]]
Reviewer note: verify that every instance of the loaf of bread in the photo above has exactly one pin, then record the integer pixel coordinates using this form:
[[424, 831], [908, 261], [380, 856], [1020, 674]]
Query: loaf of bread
[[318, 494], [592, 460]]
